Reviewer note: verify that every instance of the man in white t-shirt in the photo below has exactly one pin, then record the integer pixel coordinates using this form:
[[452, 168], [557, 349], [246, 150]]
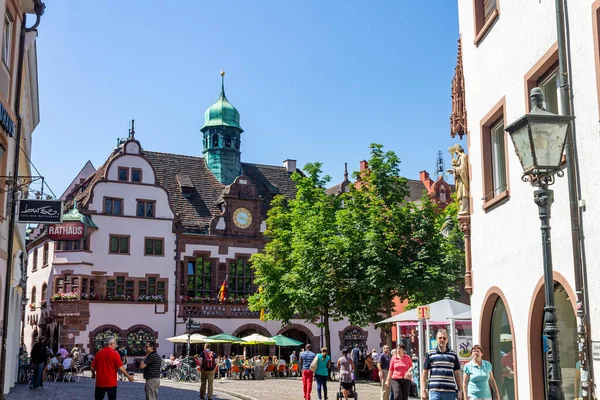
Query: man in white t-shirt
[[55, 361], [67, 363]]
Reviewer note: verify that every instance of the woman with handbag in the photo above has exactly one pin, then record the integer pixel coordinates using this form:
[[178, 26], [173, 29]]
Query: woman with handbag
[[400, 375], [322, 372], [478, 378]]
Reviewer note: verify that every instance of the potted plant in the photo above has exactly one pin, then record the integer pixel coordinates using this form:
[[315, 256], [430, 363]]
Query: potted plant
[[43, 304]]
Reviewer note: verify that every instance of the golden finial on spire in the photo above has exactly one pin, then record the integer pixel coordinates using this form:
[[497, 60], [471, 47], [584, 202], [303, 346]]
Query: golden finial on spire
[[222, 73]]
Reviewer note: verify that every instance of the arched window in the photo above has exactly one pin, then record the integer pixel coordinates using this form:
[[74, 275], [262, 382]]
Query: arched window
[[353, 336], [502, 357], [33, 295], [215, 140], [567, 341], [44, 292], [136, 340], [101, 336], [227, 141]]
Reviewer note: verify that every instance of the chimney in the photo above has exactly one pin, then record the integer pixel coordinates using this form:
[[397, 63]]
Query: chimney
[[423, 176], [290, 166], [364, 165]]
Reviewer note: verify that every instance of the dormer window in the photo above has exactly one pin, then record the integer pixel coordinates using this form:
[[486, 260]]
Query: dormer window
[[227, 141], [185, 183], [215, 140]]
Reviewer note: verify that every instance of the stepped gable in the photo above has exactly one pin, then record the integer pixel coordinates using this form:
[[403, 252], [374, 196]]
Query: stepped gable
[[204, 202]]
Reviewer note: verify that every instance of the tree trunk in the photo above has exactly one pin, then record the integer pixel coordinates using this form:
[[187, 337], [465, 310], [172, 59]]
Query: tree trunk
[[327, 330], [387, 328]]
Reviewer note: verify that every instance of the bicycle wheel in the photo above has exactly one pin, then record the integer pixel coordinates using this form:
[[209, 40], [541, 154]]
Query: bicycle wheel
[[193, 376], [174, 375]]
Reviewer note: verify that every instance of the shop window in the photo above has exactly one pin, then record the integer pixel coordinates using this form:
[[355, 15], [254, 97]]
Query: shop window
[[240, 279], [145, 208], [123, 174], [7, 42], [119, 244], [199, 276], [45, 256], [136, 340], [113, 206], [502, 357], [153, 247], [493, 142], [136, 175]]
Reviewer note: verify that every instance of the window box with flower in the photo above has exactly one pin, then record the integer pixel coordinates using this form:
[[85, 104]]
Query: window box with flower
[[118, 297], [88, 296], [32, 306], [151, 298], [70, 296], [43, 304]]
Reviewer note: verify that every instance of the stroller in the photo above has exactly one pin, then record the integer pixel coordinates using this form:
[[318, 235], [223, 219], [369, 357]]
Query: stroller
[[351, 395]]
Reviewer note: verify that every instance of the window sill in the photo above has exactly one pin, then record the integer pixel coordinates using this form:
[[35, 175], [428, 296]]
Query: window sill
[[72, 251], [486, 27], [496, 201], [119, 254]]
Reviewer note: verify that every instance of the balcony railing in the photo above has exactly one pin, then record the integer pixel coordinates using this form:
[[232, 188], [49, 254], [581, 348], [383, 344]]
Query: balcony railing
[[217, 310]]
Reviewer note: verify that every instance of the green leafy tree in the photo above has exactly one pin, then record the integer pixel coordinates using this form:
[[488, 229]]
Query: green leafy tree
[[297, 268]]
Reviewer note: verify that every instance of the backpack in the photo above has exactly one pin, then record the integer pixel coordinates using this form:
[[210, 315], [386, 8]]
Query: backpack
[[209, 361]]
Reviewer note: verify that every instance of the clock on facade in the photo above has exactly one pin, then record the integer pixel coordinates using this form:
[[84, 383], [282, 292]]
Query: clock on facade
[[242, 218]]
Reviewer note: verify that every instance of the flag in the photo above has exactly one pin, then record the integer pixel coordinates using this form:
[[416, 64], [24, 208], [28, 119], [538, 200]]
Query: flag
[[262, 310], [223, 290]]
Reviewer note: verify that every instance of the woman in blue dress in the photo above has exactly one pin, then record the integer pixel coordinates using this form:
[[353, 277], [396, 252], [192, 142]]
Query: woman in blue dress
[[478, 379]]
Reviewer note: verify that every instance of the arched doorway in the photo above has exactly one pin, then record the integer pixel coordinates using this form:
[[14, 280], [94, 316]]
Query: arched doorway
[[301, 334], [498, 342], [252, 350], [564, 299]]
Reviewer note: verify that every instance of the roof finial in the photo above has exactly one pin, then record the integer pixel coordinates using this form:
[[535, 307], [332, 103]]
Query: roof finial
[[345, 171], [223, 83], [132, 130]]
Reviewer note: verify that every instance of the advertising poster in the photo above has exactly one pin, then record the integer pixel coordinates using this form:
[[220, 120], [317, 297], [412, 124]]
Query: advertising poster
[[464, 345]]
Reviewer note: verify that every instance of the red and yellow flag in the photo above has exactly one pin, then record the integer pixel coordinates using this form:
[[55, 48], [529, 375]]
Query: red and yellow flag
[[223, 290], [262, 310]]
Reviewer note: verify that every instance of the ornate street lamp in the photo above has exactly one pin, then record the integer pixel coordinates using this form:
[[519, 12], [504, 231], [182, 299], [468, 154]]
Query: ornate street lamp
[[539, 139]]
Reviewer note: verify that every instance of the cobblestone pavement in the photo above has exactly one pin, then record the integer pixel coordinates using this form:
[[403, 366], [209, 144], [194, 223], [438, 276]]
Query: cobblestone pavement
[[84, 389]]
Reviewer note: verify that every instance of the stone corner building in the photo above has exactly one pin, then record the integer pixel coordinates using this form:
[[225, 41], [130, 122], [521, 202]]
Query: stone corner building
[[162, 234]]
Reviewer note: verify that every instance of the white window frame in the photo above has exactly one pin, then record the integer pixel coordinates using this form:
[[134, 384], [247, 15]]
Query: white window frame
[[498, 148], [7, 39]]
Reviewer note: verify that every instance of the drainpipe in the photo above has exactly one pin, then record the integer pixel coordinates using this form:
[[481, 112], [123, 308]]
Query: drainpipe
[[576, 212], [39, 10]]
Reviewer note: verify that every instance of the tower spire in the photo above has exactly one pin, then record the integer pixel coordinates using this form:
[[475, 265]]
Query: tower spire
[[132, 130], [345, 171], [223, 84]]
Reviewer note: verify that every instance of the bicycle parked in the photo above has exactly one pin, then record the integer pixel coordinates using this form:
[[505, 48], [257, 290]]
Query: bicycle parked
[[185, 371]]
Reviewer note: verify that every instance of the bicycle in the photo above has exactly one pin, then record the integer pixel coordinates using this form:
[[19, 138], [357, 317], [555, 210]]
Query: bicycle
[[184, 371]]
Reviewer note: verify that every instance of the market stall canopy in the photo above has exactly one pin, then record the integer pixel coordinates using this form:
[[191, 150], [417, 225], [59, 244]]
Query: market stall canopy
[[285, 341], [439, 313], [256, 338], [224, 338], [195, 338], [462, 316]]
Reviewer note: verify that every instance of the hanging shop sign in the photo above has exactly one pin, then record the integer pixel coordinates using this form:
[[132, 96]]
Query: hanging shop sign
[[70, 230], [40, 211], [6, 121], [423, 312]]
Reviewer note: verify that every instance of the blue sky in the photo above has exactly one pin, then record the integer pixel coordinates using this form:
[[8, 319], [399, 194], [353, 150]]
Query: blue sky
[[313, 80]]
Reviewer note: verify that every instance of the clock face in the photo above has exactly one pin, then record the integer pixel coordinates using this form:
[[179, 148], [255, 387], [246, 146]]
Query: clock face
[[242, 218]]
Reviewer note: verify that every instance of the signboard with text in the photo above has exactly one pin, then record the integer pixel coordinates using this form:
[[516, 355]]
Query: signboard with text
[[423, 312], [71, 230], [40, 211]]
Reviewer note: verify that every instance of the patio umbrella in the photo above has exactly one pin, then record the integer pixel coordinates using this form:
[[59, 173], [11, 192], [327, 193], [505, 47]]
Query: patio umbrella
[[284, 341], [256, 338], [195, 338], [223, 338]]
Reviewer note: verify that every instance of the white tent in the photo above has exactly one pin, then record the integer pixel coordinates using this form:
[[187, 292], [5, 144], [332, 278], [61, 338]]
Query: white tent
[[195, 338], [439, 313], [462, 316]]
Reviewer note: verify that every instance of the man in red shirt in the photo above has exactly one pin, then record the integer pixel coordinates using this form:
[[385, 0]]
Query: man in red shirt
[[105, 365]]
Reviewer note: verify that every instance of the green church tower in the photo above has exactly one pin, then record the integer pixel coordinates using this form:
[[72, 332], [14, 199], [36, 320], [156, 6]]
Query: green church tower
[[221, 142]]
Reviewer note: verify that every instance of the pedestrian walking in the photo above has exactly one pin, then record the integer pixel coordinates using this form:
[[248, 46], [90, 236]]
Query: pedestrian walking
[[400, 376], [384, 368], [355, 355], [151, 366], [306, 358], [345, 366], [38, 359], [104, 368], [322, 372], [208, 365], [442, 367], [478, 379]]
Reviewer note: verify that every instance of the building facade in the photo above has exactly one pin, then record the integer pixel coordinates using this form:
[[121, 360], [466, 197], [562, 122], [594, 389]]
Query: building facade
[[505, 270], [160, 234]]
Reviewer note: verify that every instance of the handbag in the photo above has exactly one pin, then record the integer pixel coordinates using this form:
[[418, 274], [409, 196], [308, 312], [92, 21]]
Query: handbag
[[314, 364]]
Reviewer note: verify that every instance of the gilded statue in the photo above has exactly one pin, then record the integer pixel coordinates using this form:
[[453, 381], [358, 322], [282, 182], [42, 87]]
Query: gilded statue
[[460, 170]]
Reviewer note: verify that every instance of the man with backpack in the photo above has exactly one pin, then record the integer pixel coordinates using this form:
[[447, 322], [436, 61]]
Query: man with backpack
[[208, 365]]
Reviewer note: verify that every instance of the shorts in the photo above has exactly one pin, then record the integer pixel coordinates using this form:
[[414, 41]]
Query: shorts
[[346, 385]]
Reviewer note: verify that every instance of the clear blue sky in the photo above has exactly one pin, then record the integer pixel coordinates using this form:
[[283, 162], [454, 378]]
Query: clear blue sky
[[313, 80]]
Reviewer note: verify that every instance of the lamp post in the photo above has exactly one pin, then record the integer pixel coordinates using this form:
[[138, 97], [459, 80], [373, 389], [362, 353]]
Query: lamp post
[[539, 140]]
